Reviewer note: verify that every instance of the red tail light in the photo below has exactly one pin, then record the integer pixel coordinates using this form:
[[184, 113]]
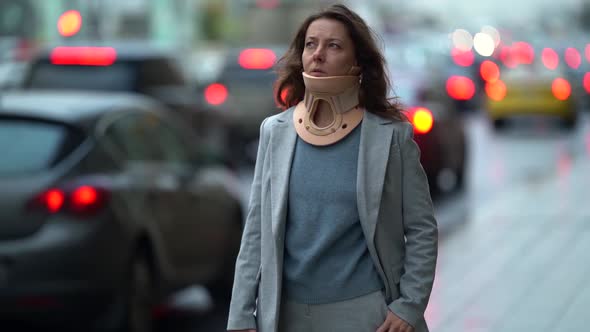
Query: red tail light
[[82, 200], [561, 89], [53, 200], [216, 94], [460, 87], [83, 56], [421, 119], [587, 82], [257, 58]]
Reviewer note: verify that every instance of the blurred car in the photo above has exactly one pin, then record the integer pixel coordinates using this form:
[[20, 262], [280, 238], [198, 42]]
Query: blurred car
[[439, 131], [107, 206], [244, 91], [137, 67], [528, 87]]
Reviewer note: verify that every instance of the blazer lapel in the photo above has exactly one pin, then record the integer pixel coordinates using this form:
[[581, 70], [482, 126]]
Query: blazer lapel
[[283, 138], [376, 135]]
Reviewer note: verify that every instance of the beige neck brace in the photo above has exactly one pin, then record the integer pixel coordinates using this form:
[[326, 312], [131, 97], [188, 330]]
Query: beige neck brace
[[341, 94]]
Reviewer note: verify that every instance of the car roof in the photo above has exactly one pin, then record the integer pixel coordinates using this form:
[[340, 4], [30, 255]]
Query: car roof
[[76, 108], [126, 50]]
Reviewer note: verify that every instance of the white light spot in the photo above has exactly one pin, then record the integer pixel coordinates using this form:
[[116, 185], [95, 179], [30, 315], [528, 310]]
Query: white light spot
[[483, 44], [462, 40]]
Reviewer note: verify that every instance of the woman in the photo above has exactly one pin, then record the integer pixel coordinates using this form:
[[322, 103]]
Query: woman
[[340, 233]]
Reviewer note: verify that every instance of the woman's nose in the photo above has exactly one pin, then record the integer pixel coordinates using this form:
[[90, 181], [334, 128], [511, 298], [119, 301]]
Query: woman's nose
[[318, 55]]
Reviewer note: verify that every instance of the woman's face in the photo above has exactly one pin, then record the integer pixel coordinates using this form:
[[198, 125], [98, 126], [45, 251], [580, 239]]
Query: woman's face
[[328, 49]]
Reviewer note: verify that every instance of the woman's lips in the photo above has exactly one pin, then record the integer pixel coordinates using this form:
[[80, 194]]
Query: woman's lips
[[317, 73]]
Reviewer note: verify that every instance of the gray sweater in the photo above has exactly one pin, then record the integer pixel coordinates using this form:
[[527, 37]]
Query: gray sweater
[[326, 257]]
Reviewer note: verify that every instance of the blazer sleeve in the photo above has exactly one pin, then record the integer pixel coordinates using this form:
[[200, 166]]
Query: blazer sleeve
[[421, 232], [245, 288]]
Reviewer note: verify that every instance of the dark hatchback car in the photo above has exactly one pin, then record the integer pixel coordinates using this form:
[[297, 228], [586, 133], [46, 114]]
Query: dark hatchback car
[[106, 206], [136, 67], [243, 93]]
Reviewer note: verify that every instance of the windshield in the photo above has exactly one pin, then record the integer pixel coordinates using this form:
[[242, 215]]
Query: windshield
[[116, 77], [40, 146]]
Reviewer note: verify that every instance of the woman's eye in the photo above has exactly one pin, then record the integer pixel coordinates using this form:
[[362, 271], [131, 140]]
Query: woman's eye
[[309, 44], [334, 45]]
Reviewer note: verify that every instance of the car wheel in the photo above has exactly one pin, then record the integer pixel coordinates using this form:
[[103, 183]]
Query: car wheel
[[221, 288], [140, 299], [130, 310]]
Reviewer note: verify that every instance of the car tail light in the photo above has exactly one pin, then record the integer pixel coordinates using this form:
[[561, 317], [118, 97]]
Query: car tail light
[[83, 56], [460, 87], [82, 200], [216, 94], [421, 119], [489, 71], [561, 88], [53, 200], [550, 58], [496, 90], [257, 58], [587, 82]]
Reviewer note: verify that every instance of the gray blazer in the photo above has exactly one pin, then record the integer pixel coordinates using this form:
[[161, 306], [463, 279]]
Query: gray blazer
[[395, 212]]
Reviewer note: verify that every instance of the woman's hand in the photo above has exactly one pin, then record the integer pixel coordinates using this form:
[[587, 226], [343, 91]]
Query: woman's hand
[[394, 324]]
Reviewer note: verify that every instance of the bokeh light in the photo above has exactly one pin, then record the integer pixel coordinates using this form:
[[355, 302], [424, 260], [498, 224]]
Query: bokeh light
[[462, 58], [69, 23], [550, 58], [462, 40], [573, 58], [484, 44], [523, 53], [216, 94], [460, 87], [561, 88], [492, 32], [496, 90], [489, 71]]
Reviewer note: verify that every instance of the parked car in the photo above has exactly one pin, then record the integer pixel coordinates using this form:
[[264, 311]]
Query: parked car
[[136, 67], [418, 83], [107, 205]]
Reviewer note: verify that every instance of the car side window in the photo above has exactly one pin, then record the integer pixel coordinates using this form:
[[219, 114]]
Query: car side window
[[172, 144], [132, 136]]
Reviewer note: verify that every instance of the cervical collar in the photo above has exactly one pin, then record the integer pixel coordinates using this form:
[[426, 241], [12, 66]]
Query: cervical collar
[[341, 93]]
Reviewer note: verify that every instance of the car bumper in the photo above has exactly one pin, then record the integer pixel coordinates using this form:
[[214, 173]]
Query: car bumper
[[530, 106], [65, 266]]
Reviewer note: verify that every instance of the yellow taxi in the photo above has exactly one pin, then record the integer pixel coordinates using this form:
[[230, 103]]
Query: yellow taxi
[[527, 89]]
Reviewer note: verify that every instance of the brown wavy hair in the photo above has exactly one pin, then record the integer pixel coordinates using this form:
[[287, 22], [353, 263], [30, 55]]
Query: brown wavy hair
[[290, 89]]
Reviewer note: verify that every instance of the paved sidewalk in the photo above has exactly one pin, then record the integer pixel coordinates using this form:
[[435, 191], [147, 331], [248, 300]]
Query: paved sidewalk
[[522, 261]]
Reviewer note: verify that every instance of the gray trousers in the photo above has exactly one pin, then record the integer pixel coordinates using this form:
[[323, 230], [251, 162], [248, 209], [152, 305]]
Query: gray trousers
[[361, 314]]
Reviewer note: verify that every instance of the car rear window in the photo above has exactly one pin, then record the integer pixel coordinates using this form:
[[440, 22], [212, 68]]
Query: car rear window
[[116, 77], [30, 146]]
